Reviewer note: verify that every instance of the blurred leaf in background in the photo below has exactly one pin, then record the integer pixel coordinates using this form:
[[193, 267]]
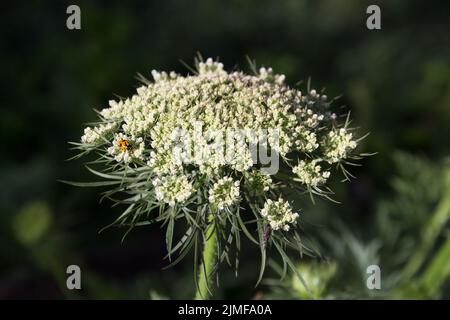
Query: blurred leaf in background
[[32, 223]]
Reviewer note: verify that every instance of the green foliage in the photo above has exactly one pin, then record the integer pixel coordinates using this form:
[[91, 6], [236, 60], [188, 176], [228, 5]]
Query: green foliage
[[316, 275], [32, 223]]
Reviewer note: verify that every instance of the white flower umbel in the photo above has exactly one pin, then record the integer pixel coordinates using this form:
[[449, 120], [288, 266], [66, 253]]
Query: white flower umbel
[[279, 214], [310, 173], [338, 144], [204, 147], [224, 193], [173, 189]]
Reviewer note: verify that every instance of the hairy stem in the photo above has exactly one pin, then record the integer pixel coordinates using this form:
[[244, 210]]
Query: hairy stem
[[208, 265]]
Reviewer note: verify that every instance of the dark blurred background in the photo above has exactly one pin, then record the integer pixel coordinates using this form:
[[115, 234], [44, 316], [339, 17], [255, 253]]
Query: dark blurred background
[[395, 80]]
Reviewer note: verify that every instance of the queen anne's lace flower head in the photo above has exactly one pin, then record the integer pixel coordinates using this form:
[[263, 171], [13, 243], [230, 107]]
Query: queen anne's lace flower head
[[94, 135], [186, 144]]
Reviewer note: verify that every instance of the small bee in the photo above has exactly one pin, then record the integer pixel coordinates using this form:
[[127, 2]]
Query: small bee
[[124, 145]]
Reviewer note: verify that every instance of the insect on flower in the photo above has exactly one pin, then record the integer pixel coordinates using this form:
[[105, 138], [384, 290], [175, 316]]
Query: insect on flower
[[124, 145]]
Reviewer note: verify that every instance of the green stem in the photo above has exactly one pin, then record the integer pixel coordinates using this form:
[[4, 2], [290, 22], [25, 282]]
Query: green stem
[[208, 265], [431, 232]]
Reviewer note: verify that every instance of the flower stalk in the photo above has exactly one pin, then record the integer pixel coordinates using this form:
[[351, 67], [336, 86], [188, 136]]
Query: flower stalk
[[208, 265]]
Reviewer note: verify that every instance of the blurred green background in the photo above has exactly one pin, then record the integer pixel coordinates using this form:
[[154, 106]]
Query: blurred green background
[[396, 81]]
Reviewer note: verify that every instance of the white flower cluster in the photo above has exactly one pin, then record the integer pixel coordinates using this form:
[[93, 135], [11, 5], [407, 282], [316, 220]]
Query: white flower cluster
[[176, 126], [279, 214], [338, 144], [310, 173], [200, 147], [173, 189], [257, 183], [219, 101], [224, 193]]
